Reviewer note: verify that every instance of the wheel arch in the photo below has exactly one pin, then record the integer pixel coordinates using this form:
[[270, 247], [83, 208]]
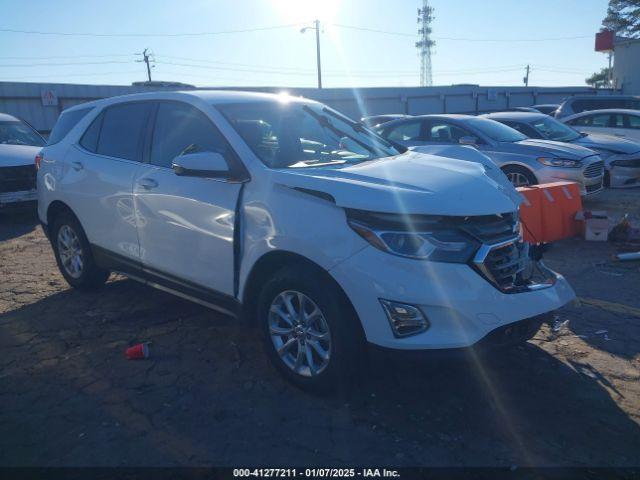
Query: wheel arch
[[270, 263], [522, 166], [57, 207]]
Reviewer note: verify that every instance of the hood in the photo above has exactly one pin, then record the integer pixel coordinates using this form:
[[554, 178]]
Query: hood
[[608, 142], [414, 183], [17, 155], [548, 148]]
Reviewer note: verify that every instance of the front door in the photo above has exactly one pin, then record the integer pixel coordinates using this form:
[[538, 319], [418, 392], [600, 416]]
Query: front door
[[185, 224]]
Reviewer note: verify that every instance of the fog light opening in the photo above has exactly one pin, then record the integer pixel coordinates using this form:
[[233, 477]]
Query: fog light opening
[[405, 319]]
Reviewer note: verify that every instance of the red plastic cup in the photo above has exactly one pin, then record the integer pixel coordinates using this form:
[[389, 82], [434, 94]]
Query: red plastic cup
[[137, 352]]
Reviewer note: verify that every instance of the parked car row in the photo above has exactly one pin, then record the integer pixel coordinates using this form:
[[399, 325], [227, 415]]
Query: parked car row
[[525, 161], [547, 148]]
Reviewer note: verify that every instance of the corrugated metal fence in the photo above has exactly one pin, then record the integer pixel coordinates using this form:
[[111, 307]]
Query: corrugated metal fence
[[41, 103]]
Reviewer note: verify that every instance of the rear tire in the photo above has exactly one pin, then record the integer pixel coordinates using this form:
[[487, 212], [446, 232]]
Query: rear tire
[[73, 254], [519, 176], [320, 350]]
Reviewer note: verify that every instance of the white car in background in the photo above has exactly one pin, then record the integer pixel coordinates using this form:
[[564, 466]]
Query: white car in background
[[618, 122], [19, 145], [298, 218]]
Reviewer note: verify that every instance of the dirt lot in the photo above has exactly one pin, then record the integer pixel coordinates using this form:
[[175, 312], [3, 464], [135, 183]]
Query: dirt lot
[[207, 396]]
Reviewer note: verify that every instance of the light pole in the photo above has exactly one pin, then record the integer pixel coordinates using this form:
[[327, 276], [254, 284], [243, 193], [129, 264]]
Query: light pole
[[316, 27]]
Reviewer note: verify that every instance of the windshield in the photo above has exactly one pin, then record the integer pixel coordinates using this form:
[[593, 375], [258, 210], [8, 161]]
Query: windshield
[[496, 131], [18, 133], [552, 129], [298, 135]]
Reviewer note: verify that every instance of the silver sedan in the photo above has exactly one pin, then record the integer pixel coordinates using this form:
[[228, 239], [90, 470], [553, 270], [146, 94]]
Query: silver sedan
[[525, 161]]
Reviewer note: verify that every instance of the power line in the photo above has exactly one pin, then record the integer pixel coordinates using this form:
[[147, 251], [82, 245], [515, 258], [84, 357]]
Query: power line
[[276, 27], [29, 65], [74, 74], [184, 34], [48, 57], [461, 39]]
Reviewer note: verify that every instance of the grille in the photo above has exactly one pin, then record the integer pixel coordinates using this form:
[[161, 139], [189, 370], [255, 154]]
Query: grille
[[594, 170], [17, 179], [491, 228], [631, 163], [593, 188], [505, 266]]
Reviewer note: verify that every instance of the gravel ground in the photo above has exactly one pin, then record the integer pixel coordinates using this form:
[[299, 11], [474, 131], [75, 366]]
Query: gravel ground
[[208, 397]]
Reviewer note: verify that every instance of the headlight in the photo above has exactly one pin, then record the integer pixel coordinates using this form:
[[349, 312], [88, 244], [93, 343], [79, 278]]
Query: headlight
[[559, 162], [633, 163], [443, 245]]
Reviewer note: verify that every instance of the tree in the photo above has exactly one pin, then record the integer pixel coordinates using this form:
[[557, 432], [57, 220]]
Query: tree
[[623, 17], [599, 79]]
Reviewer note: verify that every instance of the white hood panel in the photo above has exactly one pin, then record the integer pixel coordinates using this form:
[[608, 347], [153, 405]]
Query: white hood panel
[[413, 183]]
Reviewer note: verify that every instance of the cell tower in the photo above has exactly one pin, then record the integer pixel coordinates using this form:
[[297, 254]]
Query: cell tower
[[425, 17]]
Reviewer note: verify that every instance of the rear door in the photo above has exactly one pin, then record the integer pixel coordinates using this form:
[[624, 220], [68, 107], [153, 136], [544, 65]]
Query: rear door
[[186, 224], [101, 169], [593, 123]]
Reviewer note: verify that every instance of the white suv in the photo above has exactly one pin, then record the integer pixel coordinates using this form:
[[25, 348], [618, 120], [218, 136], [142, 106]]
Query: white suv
[[300, 219]]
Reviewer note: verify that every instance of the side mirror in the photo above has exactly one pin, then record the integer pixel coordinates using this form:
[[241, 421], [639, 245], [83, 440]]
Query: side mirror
[[201, 164], [468, 140]]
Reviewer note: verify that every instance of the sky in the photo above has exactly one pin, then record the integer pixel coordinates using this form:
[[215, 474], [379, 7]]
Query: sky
[[259, 42]]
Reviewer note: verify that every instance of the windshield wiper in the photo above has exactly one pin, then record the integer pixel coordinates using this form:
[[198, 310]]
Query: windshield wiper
[[326, 123], [357, 127]]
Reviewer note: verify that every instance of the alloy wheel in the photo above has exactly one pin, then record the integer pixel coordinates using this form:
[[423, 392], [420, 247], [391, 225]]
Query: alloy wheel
[[70, 251], [518, 179], [300, 333]]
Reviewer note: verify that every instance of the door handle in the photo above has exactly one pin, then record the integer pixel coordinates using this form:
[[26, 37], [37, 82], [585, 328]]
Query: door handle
[[147, 183], [77, 166]]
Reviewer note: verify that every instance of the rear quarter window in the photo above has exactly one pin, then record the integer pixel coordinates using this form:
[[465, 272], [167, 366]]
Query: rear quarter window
[[66, 121]]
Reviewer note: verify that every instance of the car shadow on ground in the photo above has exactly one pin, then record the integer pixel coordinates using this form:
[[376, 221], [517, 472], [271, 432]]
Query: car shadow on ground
[[207, 396], [16, 224]]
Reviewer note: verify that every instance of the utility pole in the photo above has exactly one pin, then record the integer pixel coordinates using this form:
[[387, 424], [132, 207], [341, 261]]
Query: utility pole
[[316, 27], [145, 58], [526, 77]]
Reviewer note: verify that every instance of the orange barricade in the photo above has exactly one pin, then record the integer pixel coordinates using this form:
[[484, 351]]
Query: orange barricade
[[549, 210], [567, 194], [531, 214]]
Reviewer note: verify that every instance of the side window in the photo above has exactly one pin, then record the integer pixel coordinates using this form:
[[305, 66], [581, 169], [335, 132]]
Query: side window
[[601, 120], [584, 121], [181, 128], [89, 140], [633, 122], [66, 121], [443, 132], [122, 131], [405, 132], [524, 129], [617, 121]]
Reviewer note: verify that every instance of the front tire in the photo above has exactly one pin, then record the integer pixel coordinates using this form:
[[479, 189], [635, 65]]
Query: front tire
[[73, 254], [310, 332], [519, 176]]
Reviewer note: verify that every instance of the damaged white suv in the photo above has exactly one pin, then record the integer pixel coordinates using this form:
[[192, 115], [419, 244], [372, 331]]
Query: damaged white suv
[[290, 214]]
